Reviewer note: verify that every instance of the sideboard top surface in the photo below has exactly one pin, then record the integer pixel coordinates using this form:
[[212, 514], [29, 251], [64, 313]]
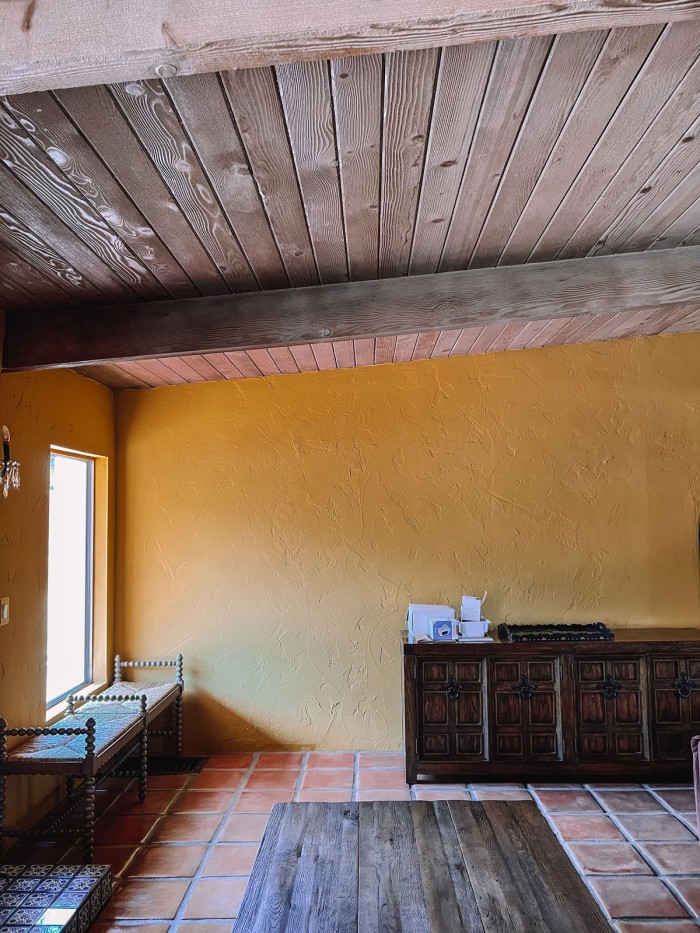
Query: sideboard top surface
[[641, 638]]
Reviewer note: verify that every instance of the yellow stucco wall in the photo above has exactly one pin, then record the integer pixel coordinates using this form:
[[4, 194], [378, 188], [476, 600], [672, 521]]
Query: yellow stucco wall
[[275, 529], [40, 409]]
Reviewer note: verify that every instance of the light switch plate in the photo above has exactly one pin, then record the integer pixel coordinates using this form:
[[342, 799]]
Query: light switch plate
[[4, 610]]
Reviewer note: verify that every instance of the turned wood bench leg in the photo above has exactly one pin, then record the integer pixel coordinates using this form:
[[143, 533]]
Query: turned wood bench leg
[[143, 765], [89, 817]]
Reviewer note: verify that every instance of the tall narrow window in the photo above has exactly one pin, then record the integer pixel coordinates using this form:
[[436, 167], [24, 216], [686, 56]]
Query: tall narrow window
[[71, 563]]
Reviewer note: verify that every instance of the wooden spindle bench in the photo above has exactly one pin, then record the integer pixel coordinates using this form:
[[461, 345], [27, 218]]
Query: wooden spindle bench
[[92, 741]]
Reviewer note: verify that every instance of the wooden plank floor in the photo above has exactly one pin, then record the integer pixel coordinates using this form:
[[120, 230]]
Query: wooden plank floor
[[414, 867]]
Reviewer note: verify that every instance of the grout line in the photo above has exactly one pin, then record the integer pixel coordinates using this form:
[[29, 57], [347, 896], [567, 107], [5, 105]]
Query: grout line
[[212, 842]]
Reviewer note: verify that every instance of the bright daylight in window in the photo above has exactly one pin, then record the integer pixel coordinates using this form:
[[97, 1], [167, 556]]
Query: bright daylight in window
[[71, 522]]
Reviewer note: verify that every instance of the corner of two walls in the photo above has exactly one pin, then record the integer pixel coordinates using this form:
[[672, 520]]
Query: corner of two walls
[[273, 530], [41, 409]]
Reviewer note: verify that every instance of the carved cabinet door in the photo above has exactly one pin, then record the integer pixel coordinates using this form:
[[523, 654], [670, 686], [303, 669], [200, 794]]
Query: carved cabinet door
[[675, 706], [526, 709], [451, 709], [611, 709]]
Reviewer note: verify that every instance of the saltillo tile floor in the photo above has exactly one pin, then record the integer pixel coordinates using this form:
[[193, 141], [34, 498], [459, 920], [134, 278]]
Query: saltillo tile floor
[[181, 860]]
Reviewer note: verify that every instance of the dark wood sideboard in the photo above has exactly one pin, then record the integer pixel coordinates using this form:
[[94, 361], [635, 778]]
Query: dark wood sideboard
[[548, 711]]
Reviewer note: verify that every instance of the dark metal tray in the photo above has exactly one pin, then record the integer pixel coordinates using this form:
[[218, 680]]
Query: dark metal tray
[[595, 631]]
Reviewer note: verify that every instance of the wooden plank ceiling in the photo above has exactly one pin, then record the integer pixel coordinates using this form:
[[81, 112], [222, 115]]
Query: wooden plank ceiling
[[378, 166]]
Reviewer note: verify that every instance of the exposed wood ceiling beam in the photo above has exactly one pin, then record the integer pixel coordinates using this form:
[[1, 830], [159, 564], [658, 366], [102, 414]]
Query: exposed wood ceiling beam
[[72, 43], [445, 301]]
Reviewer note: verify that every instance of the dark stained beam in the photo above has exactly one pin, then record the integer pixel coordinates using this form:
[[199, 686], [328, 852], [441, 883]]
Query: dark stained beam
[[72, 43], [446, 301]]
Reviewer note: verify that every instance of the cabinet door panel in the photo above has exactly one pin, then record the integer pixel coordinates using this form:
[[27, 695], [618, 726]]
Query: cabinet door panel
[[470, 709], [628, 709], [451, 709], [675, 707], [508, 710], [434, 672], [592, 709], [436, 743], [667, 706], [526, 703], [435, 710], [611, 708]]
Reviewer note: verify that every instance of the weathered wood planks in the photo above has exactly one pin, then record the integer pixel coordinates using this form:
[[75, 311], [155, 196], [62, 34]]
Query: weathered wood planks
[[84, 42], [414, 867], [356, 310]]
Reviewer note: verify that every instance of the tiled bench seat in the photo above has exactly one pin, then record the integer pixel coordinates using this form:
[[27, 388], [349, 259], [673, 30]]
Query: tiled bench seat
[[93, 739]]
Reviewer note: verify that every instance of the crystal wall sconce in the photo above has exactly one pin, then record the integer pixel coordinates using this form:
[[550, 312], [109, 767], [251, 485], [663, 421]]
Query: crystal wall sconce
[[9, 468]]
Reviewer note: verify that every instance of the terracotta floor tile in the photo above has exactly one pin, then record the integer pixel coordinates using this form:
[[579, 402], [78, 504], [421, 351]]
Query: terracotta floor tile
[[167, 781], [331, 760], [614, 785], [689, 888], [213, 927], [555, 785], [629, 801], [670, 786], [203, 801], [576, 827], [244, 827], [450, 785], [637, 897], [146, 900], [497, 793], [382, 760], [324, 796], [115, 927], [164, 861], [674, 858], [611, 859], [43, 855], [117, 784], [692, 819], [370, 795], [214, 898], [656, 926], [157, 801], [660, 827], [236, 760], [282, 760], [187, 827], [231, 860], [446, 794], [681, 800], [123, 830], [105, 799], [327, 778], [381, 780], [273, 780], [261, 801], [217, 780], [573, 800], [116, 856]]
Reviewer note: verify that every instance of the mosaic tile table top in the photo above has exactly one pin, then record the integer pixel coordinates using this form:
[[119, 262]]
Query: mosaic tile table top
[[52, 898]]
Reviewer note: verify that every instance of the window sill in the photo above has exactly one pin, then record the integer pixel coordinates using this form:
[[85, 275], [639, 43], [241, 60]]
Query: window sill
[[54, 713]]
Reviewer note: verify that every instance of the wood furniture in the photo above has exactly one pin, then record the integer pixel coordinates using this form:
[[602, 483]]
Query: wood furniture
[[554, 710], [91, 742], [415, 867]]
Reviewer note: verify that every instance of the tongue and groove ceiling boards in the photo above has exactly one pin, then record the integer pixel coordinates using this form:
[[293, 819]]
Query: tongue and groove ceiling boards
[[311, 174]]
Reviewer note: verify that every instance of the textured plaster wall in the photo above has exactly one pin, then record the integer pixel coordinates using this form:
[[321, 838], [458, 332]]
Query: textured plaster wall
[[40, 409], [275, 529]]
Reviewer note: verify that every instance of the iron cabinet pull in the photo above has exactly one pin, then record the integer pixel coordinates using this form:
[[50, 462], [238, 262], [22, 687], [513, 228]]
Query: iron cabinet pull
[[610, 688], [684, 686], [524, 688], [452, 688]]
